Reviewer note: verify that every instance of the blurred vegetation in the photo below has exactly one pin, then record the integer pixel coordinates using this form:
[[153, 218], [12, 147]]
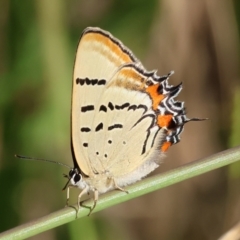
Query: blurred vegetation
[[199, 40]]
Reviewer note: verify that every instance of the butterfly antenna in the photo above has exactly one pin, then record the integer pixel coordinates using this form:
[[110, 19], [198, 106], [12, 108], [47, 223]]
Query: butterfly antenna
[[40, 159]]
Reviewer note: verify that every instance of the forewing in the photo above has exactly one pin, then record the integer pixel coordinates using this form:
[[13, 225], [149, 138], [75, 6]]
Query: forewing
[[98, 57]]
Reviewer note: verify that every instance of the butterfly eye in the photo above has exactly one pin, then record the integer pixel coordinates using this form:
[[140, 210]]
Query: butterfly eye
[[71, 173], [77, 178]]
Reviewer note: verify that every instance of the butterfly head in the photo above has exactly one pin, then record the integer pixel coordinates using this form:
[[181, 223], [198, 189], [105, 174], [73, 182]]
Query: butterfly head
[[75, 179], [74, 176]]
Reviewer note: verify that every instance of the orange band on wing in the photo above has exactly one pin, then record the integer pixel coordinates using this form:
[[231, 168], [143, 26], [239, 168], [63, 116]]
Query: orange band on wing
[[164, 121], [105, 43], [132, 73], [156, 97], [166, 146]]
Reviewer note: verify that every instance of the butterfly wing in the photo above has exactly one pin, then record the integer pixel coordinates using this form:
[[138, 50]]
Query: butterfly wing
[[98, 57], [127, 146]]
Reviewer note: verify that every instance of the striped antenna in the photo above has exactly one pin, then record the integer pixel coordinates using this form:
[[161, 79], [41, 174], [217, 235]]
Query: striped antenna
[[40, 159]]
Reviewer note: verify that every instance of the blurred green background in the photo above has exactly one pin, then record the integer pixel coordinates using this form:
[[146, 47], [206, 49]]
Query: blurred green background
[[198, 39]]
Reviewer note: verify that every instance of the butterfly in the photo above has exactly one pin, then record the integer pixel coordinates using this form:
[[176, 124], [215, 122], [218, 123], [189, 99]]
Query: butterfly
[[123, 118]]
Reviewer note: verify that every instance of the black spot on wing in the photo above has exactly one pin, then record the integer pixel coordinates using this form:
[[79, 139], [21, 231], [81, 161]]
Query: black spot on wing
[[115, 126], [85, 144], [94, 81], [87, 108], [80, 81], [118, 107], [88, 81], [132, 107], [99, 127], [85, 129], [125, 105], [103, 108], [102, 82], [110, 106], [121, 107], [140, 106]]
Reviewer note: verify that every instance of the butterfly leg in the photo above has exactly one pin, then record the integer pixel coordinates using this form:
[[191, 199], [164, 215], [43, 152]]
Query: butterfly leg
[[68, 196], [84, 191], [117, 187], [95, 199]]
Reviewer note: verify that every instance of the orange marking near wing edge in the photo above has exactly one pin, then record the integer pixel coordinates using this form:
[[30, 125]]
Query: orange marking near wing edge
[[166, 146], [164, 121], [156, 97], [107, 42], [129, 72]]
